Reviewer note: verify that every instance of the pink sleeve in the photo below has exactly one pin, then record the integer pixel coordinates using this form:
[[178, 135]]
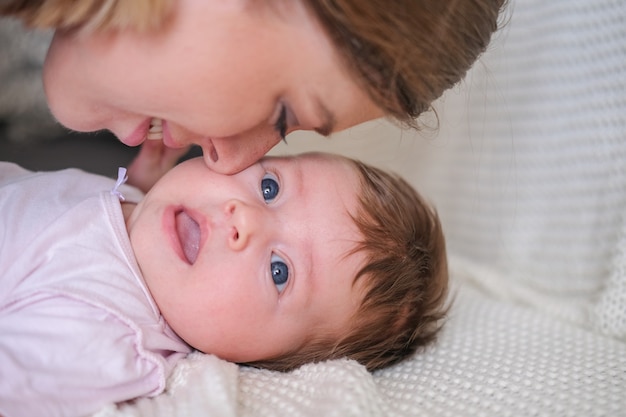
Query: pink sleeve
[[63, 357]]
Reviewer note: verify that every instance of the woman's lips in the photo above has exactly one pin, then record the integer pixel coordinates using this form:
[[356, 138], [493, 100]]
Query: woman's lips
[[159, 129], [150, 129], [168, 139], [139, 134]]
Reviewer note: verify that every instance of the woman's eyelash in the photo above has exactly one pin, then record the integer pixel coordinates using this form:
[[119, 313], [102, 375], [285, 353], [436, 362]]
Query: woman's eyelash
[[281, 123]]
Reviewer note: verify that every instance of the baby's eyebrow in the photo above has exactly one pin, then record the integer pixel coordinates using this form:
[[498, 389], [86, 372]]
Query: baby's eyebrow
[[305, 266]]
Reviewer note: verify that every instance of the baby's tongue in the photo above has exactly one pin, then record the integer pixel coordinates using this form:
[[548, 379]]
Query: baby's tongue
[[189, 235]]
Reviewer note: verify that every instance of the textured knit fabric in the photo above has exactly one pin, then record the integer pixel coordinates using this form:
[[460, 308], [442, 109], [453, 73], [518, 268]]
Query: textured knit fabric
[[78, 328], [529, 171]]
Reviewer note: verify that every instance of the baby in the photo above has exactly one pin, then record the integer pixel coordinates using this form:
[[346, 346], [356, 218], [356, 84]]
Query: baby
[[293, 260]]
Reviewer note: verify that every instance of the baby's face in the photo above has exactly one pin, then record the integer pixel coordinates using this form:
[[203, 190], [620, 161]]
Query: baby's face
[[252, 265]]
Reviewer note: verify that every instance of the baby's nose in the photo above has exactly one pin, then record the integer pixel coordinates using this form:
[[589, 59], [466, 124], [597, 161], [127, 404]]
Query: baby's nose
[[244, 223]]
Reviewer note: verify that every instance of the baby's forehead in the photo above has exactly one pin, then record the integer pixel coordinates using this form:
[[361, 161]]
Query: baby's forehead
[[339, 168]]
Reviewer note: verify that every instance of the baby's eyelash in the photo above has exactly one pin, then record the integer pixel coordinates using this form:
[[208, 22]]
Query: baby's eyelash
[[269, 170], [270, 188], [280, 272], [272, 170]]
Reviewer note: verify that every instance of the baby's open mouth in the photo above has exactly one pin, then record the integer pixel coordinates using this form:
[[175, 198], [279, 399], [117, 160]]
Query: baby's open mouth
[[155, 131], [189, 235]]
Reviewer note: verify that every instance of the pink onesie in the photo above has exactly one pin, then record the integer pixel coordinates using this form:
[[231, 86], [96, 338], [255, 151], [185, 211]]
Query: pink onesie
[[78, 327]]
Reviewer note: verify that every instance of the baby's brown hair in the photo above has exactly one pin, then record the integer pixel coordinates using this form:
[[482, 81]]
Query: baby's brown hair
[[403, 283]]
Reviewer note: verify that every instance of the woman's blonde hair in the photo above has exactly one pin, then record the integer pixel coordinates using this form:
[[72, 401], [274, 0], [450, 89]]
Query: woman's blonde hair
[[89, 15], [404, 280]]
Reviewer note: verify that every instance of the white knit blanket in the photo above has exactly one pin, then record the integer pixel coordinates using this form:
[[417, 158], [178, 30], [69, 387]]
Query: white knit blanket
[[529, 173]]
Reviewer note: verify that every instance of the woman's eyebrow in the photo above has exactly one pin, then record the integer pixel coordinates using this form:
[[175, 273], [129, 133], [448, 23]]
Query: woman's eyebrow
[[328, 119]]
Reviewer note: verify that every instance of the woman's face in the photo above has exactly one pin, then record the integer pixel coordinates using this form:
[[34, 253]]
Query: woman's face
[[231, 76]]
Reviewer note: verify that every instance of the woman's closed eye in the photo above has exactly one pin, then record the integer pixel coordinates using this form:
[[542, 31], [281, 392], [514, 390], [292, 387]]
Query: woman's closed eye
[[281, 123], [270, 187], [285, 121], [279, 271]]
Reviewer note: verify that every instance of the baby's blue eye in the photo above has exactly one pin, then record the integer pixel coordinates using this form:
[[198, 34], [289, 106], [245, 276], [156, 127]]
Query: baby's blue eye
[[269, 187], [279, 271]]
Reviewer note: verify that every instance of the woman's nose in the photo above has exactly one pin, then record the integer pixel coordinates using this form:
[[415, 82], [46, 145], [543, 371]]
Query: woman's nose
[[232, 154], [243, 222]]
